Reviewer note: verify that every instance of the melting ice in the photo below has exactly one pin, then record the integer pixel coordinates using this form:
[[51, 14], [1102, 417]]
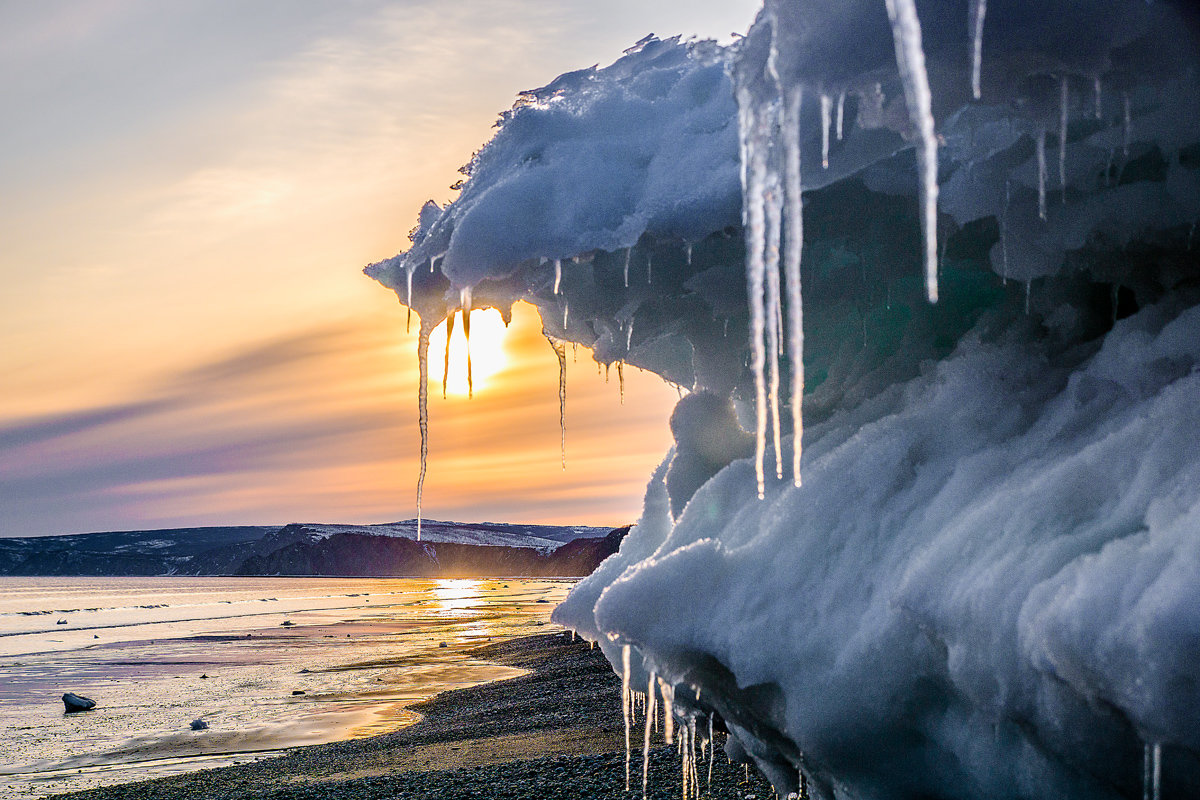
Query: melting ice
[[979, 577]]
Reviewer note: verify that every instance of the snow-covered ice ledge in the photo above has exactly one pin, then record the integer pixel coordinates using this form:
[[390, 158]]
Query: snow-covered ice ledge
[[987, 584]]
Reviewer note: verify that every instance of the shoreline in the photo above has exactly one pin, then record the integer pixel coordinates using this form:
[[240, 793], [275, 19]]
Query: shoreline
[[556, 731]]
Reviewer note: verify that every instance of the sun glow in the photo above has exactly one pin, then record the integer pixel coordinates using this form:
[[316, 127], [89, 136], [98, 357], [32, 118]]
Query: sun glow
[[488, 356]]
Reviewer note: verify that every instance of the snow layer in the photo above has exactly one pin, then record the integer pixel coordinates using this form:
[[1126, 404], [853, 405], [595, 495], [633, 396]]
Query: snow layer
[[988, 583]]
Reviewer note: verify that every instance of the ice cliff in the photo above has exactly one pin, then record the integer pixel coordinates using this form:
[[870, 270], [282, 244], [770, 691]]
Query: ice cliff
[[983, 581]]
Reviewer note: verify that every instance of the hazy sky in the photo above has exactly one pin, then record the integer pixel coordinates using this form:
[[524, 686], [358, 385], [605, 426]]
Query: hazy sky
[[188, 192]]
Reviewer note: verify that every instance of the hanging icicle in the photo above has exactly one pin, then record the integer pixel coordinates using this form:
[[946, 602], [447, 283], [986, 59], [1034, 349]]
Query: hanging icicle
[[557, 274], [910, 60], [826, 108], [625, 702], [423, 409], [1096, 88], [774, 218], [1041, 166], [975, 23], [560, 350], [465, 302], [627, 253], [841, 113], [1063, 99], [793, 250], [753, 211], [621, 379], [446, 365]]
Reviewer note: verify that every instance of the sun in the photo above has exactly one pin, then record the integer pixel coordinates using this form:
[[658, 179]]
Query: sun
[[487, 352]]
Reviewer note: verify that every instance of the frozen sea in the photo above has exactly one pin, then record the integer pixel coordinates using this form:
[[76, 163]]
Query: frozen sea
[[158, 653]]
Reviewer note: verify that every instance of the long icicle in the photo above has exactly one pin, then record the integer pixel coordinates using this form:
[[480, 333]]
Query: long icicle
[[975, 23], [627, 253], [841, 113], [826, 108], [793, 250], [465, 296], [774, 213], [753, 169], [910, 60], [1064, 98], [651, 699], [1041, 165], [625, 698], [621, 379], [560, 350], [423, 410], [446, 365], [557, 274]]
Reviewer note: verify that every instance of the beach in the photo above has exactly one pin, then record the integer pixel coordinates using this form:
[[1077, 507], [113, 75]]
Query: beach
[[555, 731]]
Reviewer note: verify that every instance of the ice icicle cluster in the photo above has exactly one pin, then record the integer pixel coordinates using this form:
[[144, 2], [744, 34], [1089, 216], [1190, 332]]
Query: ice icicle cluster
[[985, 585]]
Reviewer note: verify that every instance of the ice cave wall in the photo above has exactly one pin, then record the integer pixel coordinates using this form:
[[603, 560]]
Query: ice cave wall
[[988, 584]]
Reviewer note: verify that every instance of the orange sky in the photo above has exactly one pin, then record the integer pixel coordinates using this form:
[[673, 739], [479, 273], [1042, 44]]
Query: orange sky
[[188, 193]]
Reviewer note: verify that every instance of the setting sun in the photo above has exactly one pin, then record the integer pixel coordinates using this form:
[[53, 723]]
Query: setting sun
[[487, 352]]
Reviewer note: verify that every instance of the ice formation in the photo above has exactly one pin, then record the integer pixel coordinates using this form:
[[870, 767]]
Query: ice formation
[[987, 583]]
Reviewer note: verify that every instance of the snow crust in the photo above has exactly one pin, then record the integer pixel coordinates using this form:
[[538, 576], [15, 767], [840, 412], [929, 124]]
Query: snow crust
[[987, 584]]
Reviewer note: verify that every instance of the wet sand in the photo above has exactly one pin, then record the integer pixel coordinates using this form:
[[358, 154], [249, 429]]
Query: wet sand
[[556, 731]]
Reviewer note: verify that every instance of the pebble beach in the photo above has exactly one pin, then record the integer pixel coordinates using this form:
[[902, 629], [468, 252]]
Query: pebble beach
[[554, 732]]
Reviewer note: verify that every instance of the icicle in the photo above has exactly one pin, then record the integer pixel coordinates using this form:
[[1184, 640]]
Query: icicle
[[621, 379], [826, 107], [668, 696], [1147, 769], [975, 23], [1041, 164], [1064, 99], [627, 252], [625, 700], [712, 746], [629, 335], [1127, 124], [423, 410], [774, 213], [1097, 91], [557, 274], [754, 165], [465, 301], [649, 269], [560, 350], [408, 302], [794, 237], [606, 367], [650, 717], [910, 60], [446, 365], [841, 113], [1028, 283], [1156, 783], [566, 313]]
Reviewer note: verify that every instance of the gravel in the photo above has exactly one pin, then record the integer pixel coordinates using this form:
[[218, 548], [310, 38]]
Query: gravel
[[556, 732]]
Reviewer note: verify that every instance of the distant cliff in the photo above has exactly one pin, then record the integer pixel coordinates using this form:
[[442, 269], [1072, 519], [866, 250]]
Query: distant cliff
[[447, 549]]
